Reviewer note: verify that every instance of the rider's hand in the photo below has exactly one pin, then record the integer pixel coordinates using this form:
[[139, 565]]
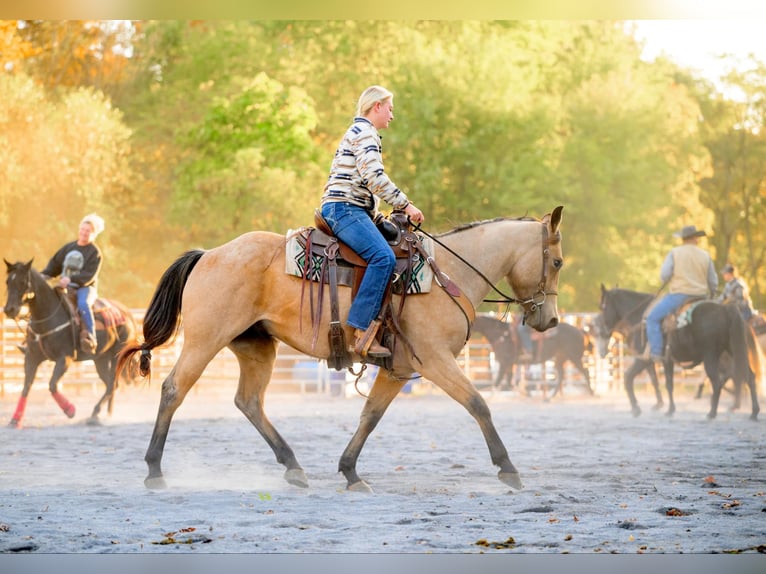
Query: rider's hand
[[64, 281], [415, 215]]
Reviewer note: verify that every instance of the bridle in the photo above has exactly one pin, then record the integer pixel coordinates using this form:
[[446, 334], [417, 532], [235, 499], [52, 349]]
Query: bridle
[[26, 297], [533, 303]]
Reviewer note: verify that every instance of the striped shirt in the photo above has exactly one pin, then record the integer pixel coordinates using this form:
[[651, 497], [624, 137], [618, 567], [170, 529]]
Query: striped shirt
[[357, 175]]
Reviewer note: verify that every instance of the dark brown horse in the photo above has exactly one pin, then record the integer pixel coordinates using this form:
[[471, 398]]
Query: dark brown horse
[[562, 344], [713, 330], [52, 336], [239, 296]]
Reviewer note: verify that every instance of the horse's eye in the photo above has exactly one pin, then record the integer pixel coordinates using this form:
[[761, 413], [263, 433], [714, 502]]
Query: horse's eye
[[558, 263]]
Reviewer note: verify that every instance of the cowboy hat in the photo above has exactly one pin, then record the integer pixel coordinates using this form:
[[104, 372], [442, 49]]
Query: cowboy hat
[[689, 231]]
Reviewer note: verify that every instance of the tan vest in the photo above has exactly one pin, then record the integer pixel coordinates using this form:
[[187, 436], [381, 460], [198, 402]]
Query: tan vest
[[690, 266]]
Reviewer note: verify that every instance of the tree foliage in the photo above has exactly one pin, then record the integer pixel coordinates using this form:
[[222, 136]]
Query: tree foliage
[[188, 133]]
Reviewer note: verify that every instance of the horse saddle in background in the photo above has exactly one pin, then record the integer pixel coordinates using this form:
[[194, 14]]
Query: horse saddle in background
[[678, 331], [105, 314]]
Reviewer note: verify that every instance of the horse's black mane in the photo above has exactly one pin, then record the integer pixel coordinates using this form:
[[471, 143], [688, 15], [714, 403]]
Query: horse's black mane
[[466, 226]]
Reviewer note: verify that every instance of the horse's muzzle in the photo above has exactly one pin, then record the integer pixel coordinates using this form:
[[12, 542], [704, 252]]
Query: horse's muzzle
[[11, 311]]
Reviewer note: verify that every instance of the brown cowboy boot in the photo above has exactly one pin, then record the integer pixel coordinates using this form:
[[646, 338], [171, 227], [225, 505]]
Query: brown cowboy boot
[[88, 343], [365, 344]]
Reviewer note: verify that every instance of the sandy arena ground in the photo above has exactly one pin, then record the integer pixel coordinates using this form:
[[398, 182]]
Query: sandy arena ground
[[597, 480]]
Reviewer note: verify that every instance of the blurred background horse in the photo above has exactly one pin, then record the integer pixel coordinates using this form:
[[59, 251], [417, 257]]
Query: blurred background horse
[[52, 335], [560, 344], [713, 330]]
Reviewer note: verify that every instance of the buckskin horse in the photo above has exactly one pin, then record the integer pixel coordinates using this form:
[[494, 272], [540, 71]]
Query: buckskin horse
[[712, 330], [563, 343], [51, 335], [239, 296]]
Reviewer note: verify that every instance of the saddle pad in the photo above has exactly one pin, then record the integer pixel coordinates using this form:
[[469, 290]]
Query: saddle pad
[[295, 262], [684, 317], [109, 314]]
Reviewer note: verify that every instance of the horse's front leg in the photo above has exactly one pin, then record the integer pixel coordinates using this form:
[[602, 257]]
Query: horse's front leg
[[447, 374], [31, 363], [668, 368], [630, 375], [256, 362], [59, 369], [384, 390]]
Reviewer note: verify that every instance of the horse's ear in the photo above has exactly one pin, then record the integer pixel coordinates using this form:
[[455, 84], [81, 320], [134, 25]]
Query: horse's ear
[[7, 263], [29, 263], [603, 289], [556, 218]]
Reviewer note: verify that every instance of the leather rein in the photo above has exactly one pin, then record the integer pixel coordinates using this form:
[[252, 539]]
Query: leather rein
[[529, 305], [28, 295]]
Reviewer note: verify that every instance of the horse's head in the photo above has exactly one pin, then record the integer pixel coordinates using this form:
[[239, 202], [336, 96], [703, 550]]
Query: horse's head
[[18, 285], [535, 277]]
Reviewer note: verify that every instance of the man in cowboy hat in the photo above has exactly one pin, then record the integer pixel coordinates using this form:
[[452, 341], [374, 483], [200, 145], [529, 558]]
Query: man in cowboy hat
[[689, 272], [78, 263]]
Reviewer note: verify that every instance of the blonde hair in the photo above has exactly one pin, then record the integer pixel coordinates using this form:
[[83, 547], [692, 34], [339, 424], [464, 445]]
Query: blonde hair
[[370, 97], [96, 222]]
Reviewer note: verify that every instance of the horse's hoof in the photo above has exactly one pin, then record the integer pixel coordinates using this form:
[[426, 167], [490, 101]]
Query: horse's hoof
[[155, 482], [94, 422], [14, 424], [636, 412], [658, 406], [754, 417], [359, 486], [70, 411], [512, 479], [297, 477], [711, 416]]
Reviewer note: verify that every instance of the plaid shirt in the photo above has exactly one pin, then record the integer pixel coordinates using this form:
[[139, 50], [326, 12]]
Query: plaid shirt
[[357, 175]]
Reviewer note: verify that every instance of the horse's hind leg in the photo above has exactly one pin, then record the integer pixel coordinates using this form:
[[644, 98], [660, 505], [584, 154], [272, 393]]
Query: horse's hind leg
[[105, 369], [753, 396], [586, 375], [174, 389], [448, 375], [256, 361], [384, 390]]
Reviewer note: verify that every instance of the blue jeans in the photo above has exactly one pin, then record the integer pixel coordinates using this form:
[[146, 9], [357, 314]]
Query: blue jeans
[[525, 334], [664, 306], [85, 298], [353, 226]]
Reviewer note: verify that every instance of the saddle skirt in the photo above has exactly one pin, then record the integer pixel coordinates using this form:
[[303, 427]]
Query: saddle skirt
[[105, 313], [297, 260]]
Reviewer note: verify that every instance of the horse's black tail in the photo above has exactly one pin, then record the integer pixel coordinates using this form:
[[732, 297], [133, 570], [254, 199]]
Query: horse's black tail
[[738, 342], [162, 317]]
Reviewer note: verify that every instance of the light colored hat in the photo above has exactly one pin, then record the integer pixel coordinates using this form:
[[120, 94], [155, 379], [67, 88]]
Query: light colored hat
[[96, 221], [689, 231]]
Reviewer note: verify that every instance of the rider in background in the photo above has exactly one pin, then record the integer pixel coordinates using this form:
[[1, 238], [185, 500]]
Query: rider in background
[[78, 264], [350, 201], [689, 272], [736, 292]]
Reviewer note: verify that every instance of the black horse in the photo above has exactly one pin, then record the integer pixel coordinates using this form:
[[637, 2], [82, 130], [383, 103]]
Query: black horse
[[52, 335], [562, 343], [713, 330]]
